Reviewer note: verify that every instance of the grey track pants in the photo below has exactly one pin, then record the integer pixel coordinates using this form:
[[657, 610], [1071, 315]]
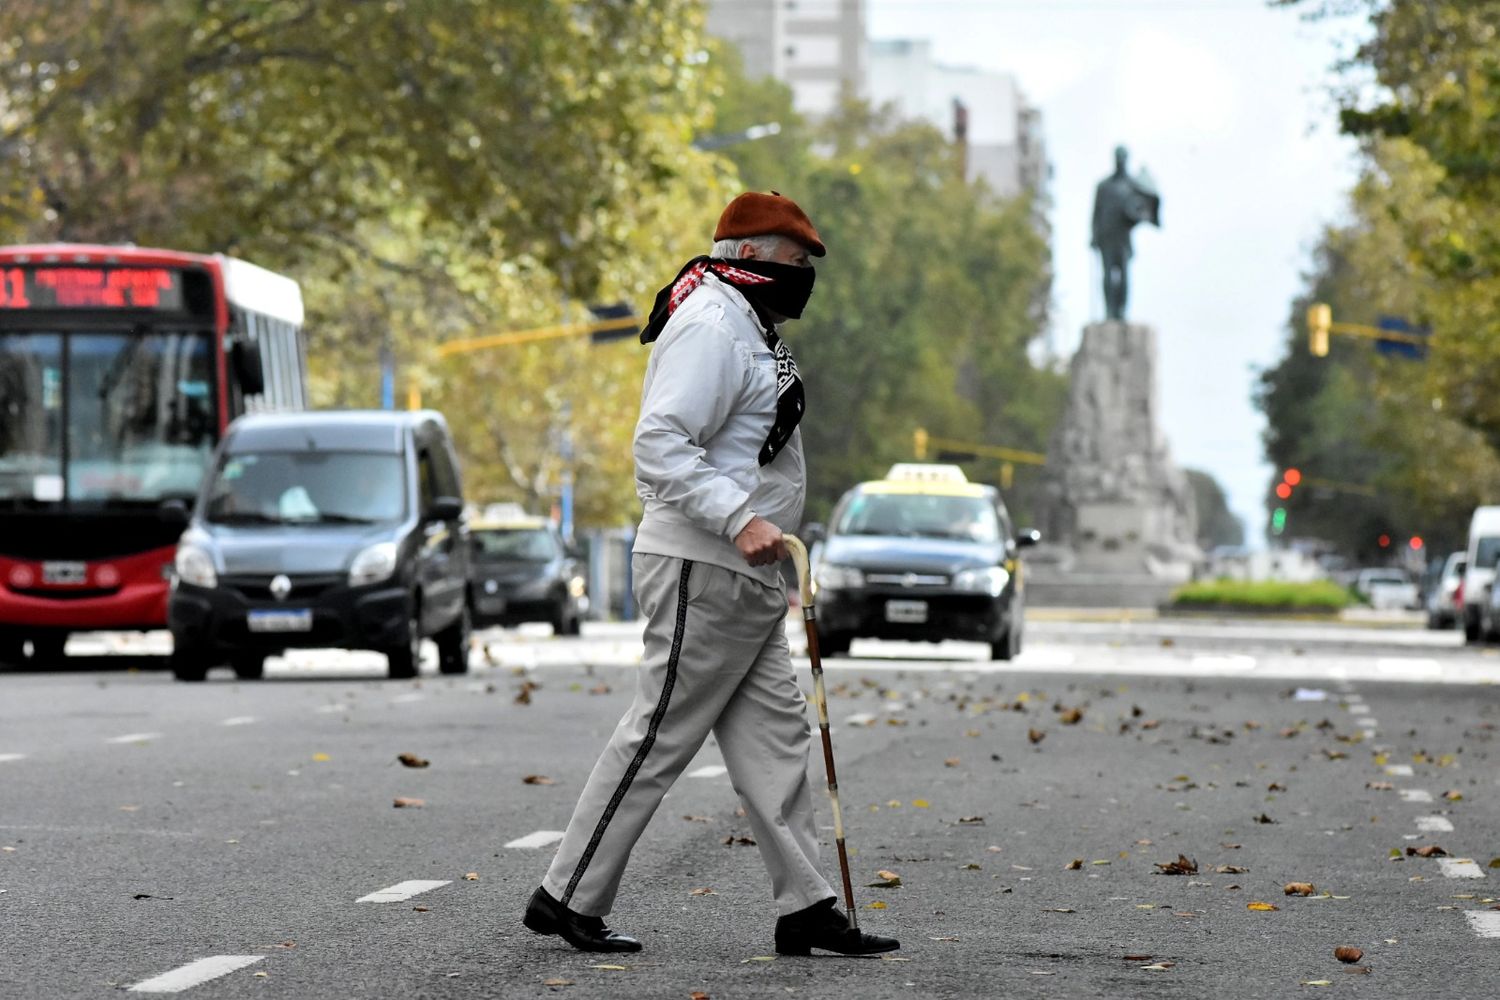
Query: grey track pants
[[716, 659]]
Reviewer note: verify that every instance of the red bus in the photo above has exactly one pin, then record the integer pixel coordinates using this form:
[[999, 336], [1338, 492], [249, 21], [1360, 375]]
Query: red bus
[[120, 367]]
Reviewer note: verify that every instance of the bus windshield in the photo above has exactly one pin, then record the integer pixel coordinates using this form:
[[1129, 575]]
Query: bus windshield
[[113, 417]]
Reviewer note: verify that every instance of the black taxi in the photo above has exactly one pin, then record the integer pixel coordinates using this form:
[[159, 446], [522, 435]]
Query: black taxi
[[923, 555]]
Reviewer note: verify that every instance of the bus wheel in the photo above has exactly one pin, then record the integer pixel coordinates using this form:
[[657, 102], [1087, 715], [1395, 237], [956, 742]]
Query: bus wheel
[[248, 666], [189, 666]]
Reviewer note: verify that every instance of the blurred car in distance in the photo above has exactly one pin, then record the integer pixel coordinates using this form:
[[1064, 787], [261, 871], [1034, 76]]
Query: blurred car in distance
[[922, 555], [1479, 571], [522, 571], [1445, 602], [332, 529], [1387, 589]]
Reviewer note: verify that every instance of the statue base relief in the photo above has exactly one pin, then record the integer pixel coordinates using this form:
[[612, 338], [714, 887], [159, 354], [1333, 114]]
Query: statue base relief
[[1119, 512]]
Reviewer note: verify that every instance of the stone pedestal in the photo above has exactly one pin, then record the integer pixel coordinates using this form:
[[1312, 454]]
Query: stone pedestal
[[1118, 505]]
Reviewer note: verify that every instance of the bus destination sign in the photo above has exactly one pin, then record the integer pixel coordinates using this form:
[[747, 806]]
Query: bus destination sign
[[83, 287]]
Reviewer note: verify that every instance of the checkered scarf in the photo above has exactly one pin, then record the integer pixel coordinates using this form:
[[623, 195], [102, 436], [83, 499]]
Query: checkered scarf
[[790, 399]]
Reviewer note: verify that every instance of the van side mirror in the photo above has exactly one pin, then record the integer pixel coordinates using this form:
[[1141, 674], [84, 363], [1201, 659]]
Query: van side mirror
[[445, 509], [1027, 538], [814, 533], [249, 372], [173, 512]]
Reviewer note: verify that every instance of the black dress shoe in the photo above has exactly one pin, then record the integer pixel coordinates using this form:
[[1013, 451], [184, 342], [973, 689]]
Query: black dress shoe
[[823, 926], [546, 915]]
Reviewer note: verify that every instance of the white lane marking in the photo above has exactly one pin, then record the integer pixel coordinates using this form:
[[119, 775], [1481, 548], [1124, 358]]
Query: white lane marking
[[1460, 868], [402, 890], [7, 757], [1359, 709], [330, 709], [1369, 722], [1415, 795], [195, 973], [1398, 770], [711, 771], [239, 720], [1408, 666], [1485, 923], [1233, 664], [1434, 824], [540, 838], [407, 699], [134, 738]]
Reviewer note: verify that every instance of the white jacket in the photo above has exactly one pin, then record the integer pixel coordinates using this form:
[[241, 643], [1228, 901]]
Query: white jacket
[[707, 404]]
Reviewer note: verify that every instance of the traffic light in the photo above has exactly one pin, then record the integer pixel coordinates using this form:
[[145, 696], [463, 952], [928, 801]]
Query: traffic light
[[1416, 543], [1319, 324], [1284, 491], [1385, 541], [1278, 520], [1291, 477]]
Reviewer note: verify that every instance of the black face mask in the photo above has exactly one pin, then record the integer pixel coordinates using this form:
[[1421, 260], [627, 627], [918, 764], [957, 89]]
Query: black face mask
[[787, 293]]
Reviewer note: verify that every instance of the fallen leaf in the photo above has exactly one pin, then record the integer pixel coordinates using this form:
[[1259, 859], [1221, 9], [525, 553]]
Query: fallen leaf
[[1379, 786], [1057, 909], [951, 762], [321, 758], [612, 968], [1494, 863], [703, 892], [946, 937], [1348, 955], [1427, 851], [402, 802], [970, 867], [1231, 870], [130, 809], [537, 779], [1298, 889], [1182, 866], [877, 905], [557, 982], [886, 880], [1035, 735], [1317, 982], [420, 909], [471, 877], [261, 975], [1137, 958], [1288, 732], [920, 803], [758, 958], [731, 840], [1159, 966], [697, 995], [1453, 795], [1359, 970], [971, 820], [412, 760], [1151, 724], [1074, 865], [1263, 818], [599, 689], [697, 819], [1071, 717], [1261, 907], [1335, 754]]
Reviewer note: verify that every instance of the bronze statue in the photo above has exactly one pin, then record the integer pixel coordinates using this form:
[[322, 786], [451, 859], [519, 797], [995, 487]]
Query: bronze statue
[[1120, 202]]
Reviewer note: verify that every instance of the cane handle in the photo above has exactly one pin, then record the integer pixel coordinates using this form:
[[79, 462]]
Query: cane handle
[[798, 553]]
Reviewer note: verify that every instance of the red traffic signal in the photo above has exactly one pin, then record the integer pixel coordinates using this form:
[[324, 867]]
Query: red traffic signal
[[1292, 477], [1416, 543], [1283, 491], [1385, 541]]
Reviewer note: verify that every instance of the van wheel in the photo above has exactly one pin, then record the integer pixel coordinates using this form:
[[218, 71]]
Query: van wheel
[[565, 618], [48, 649], [405, 661], [453, 645], [1007, 646], [1471, 630], [248, 666], [188, 665]]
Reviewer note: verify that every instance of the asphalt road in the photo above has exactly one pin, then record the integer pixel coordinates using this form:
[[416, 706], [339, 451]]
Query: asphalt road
[[146, 825]]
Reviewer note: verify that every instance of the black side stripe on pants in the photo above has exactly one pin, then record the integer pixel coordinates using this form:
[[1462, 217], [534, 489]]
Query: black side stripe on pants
[[646, 744]]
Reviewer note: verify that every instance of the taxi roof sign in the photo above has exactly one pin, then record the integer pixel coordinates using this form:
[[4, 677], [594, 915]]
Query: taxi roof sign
[[925, 472]]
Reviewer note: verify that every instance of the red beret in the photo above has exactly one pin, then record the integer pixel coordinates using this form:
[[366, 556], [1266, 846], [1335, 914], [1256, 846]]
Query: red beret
[[757, 214]]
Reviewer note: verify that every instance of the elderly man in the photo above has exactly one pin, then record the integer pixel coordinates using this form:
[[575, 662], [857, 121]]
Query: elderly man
[[719, 470]]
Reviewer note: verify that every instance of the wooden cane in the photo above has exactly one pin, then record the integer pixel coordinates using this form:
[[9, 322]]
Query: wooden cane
[[820, 695]]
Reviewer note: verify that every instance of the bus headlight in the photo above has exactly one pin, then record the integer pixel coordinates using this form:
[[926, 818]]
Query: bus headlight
[[374, 564], [988, 580], [195, 566]]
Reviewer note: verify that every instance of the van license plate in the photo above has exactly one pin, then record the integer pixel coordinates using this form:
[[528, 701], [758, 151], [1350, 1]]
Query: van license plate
[[906, 612], [280, 621]]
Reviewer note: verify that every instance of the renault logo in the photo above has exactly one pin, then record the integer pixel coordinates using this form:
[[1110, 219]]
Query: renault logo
[[909, 580], [280, 586]]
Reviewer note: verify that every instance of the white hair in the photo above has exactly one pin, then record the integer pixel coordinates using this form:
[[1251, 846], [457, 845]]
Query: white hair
[[764, 246]]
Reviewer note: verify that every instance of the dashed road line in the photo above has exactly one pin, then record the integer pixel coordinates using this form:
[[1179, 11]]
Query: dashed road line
[[710, 771], [408, 698], [541, 838], [1434, 824], [1415, 795], [331, 709], [134, 738], [6, 758], [195, 973], [1485, 923], [239, 720], [1398, 770], [1360, 709], [1460, 868], [402, 891]]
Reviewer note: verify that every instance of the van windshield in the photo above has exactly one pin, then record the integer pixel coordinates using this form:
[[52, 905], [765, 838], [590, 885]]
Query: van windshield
[[307, 487]]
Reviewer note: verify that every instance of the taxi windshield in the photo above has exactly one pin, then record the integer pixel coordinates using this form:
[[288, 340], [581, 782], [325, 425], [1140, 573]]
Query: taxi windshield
[[918, 515]]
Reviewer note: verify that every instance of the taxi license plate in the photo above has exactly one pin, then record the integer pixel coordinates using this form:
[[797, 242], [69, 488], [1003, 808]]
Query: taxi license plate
[[280, 621], [906, 612]]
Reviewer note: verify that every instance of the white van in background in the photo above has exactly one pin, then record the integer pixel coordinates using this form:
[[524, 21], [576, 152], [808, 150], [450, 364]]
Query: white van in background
[[1479, 576]]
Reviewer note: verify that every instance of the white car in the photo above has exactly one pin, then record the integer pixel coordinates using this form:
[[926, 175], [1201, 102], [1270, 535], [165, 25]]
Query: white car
[[1479, 571], [1445, 603], [1387, 589]]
